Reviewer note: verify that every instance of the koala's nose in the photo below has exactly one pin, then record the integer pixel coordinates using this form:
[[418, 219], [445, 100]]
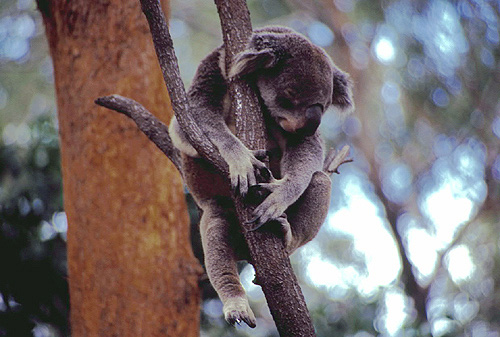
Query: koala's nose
[[313, 118]]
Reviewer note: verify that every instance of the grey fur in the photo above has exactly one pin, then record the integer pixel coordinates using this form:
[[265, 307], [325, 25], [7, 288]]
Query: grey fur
[[297, 82]]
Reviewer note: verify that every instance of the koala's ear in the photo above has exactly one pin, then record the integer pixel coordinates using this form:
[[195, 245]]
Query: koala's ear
[[251, 60], [342, 91]]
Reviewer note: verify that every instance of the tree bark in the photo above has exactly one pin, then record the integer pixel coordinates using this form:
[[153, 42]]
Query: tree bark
[[131, 268]]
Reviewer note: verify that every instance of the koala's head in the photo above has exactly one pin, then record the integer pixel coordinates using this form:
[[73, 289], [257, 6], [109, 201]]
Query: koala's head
[[297, 80]]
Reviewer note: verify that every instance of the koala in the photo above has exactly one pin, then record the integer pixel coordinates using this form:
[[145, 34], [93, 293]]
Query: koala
[[296, 82]]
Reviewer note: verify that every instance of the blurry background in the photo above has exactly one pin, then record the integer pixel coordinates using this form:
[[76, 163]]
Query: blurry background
[[411, 246]]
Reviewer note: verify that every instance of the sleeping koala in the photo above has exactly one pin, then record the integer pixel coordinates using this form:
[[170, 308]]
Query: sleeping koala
[[296, 82]]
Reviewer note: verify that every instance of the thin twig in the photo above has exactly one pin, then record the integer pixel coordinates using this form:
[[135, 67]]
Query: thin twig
[[334, 159]]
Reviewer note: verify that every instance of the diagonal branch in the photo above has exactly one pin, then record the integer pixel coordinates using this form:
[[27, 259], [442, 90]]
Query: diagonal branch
[[151, 126], [170, 69]]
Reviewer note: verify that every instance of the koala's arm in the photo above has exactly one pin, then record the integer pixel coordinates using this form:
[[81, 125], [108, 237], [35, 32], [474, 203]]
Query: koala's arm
[[206, 96], [299, 162]]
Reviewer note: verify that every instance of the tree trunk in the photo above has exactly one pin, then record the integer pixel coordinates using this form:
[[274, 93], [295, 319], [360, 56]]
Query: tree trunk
[[131, 268]]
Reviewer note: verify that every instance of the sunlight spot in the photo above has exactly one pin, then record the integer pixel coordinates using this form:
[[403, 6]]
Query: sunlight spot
[[345, 5], [495, 126], [444, 43], [465, 308], [395, 315], [371, 237], [247, 276], [448, 209], [440, 97], [459, 263], [323, 273], [46, 231], [442, 326], [213, 308], [390, 92], [495, 169], [43, 330], [385, 51], [320, 34], [20, 134], [60, 222], [422, 251], [178, 28]]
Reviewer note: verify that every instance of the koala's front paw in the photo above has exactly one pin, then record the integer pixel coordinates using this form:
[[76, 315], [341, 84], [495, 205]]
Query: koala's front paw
[[244, 171], [274, 205], [237, 310]]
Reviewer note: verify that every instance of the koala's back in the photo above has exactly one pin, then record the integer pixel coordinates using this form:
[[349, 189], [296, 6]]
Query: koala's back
[[209, 85], [207, 90]]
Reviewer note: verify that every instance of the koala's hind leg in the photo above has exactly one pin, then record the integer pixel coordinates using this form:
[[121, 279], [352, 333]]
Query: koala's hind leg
[[223, 245], [309, 212]]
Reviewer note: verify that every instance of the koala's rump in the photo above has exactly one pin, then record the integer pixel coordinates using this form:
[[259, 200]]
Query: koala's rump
[[208, 187], [203, 179]]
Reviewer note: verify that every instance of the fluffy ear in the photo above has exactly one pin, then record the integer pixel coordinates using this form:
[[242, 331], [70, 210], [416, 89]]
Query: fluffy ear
[[342, 91], [251, 60]]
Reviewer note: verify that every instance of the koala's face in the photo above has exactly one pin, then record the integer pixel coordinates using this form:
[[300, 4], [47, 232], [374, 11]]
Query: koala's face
[[297, 81], [296, 95]]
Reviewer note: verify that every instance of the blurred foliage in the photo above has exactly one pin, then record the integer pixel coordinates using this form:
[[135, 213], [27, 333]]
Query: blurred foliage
[[34, 297], [33, 281], [420, 202]]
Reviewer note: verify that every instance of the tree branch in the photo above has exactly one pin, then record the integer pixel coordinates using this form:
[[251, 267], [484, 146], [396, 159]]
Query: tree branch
[[151, 126], [413, 289]]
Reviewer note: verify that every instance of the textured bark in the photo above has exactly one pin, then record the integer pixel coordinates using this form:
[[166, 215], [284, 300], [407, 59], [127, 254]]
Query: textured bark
[[131, 268]]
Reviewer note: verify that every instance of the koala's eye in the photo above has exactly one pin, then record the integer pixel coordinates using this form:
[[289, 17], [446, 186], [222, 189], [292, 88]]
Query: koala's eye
[[284, 103], [318, 106]]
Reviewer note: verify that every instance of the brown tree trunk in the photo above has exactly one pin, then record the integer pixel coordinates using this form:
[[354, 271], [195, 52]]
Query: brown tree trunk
[[131, 268]]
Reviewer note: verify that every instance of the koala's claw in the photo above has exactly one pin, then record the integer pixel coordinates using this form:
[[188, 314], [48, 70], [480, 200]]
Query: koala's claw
[[282, 220], [263, 175], [253, 224], [286, 229], [279, 199], [237, 310], [261, 155], [236, 317]]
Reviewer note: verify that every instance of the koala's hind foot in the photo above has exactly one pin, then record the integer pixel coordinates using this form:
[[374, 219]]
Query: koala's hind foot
[[237, 309], [223, 245], [284, 226]]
